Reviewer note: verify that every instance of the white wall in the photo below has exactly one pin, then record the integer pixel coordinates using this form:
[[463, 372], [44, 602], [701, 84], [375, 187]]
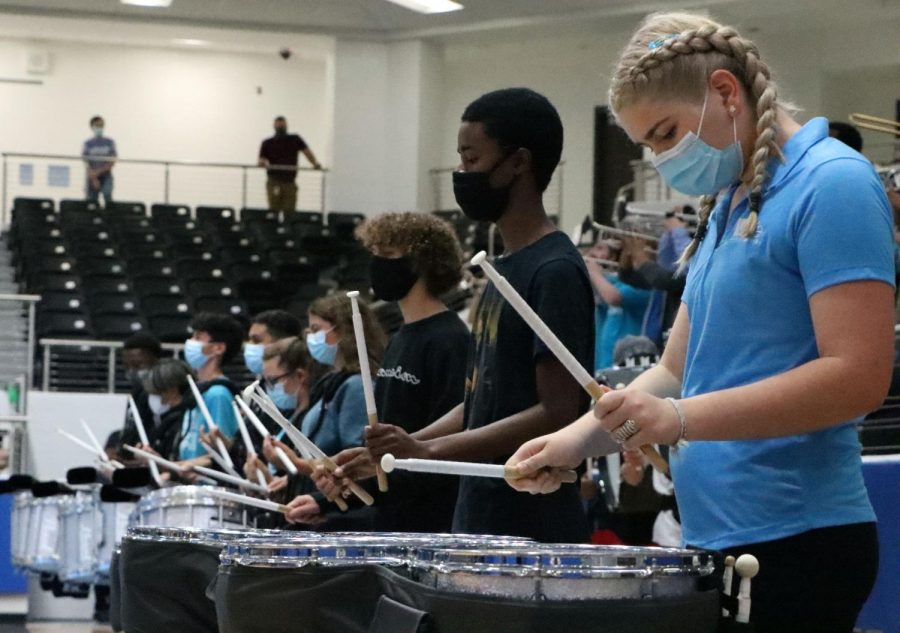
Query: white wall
[[162, 102], [571, 68]]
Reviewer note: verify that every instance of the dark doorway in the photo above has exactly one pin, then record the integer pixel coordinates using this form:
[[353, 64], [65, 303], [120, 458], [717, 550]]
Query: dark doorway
[[613, 152]]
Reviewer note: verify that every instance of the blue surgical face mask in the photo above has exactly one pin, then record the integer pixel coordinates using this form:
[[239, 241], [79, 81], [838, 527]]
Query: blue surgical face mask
[[253, 357], [156, 405], [282, 399], [193, 354], [320, 349], [697, 169], [98, 131]]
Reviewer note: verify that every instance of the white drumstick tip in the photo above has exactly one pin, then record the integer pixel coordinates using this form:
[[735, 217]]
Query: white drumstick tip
[[479, 258], [387, 462], [353, 294], [248, 391], [746, 566]]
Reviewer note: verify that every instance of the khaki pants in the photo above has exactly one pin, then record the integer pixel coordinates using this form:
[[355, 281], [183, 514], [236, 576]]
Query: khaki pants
[[282, 195]]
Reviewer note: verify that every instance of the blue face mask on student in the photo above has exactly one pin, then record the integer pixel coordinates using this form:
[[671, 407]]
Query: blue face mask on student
[[320, 349], [193, 354], [282, 399], [253, 357], [98, 132], [697, 169]]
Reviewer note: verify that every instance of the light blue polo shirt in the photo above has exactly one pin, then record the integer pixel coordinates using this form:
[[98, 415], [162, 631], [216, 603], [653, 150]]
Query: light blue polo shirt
[[825, 220]]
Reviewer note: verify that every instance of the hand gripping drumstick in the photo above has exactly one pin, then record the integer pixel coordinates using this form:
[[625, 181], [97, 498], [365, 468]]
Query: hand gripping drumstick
[[366, 374], [87, 429], [261, 428], [465, 469], [248, 444], [79, 442], [303, 443], [201, 404], [142, 433], [559, 350]]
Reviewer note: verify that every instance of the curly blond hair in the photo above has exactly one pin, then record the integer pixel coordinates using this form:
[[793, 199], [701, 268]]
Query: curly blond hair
[[428, 240], [672, 55]]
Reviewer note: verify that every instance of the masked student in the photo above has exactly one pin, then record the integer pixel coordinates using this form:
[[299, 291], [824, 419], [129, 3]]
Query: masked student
[[784, 338], [416, 259], [510, 142], [336, 415], [216, 340]]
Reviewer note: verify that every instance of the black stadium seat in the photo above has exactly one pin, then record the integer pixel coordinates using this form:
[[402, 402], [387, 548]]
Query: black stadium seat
[[313, 218], [171, 329], [249, 214], [33, 204], [151, 267], [216, 215], [190, 269], [66, 206], [165, 305], [89, 266], [233, 307], [117, 326], [94, 249], [121, 209], [107, 283], [158, 286], [210, 288], [60, 301], [149, 251], [170, 212], [115, 303], [51, 324], [55, 282]]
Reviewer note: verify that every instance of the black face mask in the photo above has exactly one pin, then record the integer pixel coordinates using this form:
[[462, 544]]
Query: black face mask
[[477, 198], [280, 131], [392, 278]]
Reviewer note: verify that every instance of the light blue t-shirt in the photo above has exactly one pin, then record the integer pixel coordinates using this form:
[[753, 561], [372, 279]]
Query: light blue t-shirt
[[218, 401], [825, 220], [619, 321], [344, 418]]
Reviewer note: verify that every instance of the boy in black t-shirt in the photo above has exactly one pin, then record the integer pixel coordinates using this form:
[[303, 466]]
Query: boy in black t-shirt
[[416, 259], [510, 142]]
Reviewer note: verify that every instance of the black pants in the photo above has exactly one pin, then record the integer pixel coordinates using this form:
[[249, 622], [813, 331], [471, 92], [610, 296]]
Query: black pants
[[815, 582]]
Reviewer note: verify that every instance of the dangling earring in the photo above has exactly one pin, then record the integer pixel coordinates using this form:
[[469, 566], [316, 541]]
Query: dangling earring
[[731, 111]]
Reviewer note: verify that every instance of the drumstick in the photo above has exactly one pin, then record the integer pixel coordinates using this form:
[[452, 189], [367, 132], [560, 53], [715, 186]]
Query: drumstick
[[559, 350], [746, 566], [79, 442], [248, 444], [366, 374], [262, 430], [301, 442], [236, 481], [103, 456], [727, 579], [263, 504], [218, 459], [465, 469], [201, 404], [156, 459], [142, 433]]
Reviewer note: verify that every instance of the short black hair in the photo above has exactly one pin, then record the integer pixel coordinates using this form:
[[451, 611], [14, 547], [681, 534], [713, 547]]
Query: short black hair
[[95, 118], [520, 117], [221, 329], [280, 118], [280, 323], [846, 134], [144, 341]]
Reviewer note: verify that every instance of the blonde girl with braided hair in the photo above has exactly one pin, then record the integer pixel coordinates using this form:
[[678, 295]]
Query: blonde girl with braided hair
[[784, 338]]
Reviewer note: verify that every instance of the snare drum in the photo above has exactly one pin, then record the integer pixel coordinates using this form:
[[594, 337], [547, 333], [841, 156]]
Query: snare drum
[[325, 583], [42, 538], [188, 506], [164, 573], [80, 523], [116, 517], [22, 504]]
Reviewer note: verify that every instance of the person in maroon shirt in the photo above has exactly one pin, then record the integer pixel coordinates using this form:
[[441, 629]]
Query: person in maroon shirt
[[280, 152]]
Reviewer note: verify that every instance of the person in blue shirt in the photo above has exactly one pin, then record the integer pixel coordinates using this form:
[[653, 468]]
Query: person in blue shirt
[[99, 154], [216, 340], [785, 334], [620, 306]]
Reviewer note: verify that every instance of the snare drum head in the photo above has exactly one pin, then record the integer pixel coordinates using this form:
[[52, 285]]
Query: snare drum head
[[321, 550]]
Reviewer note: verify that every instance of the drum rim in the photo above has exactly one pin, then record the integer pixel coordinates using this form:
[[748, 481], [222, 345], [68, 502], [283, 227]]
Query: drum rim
[[190, 535]]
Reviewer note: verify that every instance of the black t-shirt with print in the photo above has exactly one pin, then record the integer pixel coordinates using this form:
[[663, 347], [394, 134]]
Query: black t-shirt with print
[[551, 276], [422, 377]]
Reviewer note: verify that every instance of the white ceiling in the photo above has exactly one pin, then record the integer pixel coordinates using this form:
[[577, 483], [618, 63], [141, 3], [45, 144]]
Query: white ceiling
[[380, 19]]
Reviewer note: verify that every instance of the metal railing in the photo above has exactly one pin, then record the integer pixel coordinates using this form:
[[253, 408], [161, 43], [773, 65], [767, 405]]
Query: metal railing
[[111, 348], [191, 183], [29, 302], [442, 190]]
